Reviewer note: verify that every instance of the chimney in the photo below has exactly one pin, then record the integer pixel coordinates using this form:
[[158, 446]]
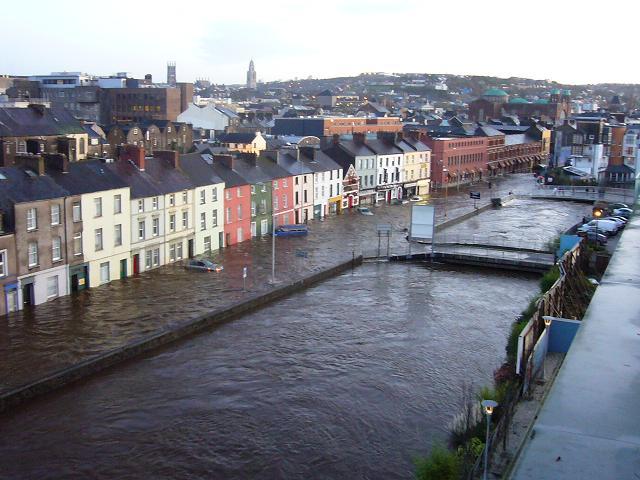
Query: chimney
[[415, 135], [57, 161], [170, 156], [225, 159], [358, 137], [249, 158], [31, 162], [133, 153]]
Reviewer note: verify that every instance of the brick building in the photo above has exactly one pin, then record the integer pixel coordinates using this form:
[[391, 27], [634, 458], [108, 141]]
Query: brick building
[[457, 160], [122, 105], [329, 126], [495, 103]]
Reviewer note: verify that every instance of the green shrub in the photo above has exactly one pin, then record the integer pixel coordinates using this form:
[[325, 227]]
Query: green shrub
[[549, 278], [441, 464]]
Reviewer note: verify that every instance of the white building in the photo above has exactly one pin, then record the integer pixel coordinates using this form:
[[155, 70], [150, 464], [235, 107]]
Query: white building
[[327, 182], [209, 117], [592, 160], [390, 169]]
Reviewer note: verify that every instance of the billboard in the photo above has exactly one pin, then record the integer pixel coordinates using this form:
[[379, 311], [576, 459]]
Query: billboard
[[423, 220]]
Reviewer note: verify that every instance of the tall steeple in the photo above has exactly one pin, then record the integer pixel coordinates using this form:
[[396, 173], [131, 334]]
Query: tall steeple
[[251, 76]]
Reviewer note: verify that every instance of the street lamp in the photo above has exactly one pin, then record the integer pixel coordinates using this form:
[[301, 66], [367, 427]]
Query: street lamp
[[597, 213], [445, 177], [488, 406]]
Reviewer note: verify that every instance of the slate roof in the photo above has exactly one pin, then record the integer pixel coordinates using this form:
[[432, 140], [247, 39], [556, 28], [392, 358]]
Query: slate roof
[[291, 164], [321, 163], [23, 122], [20, 187], [231, 178], [487, 131], [244, 138], [271, 168], [198, 170], [227, 112], [325, 93], [141, 184], [87, 177], [166, 178], [417, 145]]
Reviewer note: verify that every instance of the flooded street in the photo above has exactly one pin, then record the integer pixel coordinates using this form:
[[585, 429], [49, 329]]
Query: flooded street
[[349, 379]]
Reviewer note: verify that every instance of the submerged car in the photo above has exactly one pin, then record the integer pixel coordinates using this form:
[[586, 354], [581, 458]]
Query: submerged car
[[364, 211], [415, 198], [204, 266]]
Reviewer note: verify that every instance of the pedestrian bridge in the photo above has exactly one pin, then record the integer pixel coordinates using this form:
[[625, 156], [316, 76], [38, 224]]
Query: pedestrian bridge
[[492, 242], [580, 194]]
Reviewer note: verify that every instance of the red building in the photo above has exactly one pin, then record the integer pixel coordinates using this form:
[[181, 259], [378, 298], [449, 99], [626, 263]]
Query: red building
[[237, 201], [459, 160]]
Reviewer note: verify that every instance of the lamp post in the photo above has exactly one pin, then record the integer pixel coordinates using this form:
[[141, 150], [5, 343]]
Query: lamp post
[[445, 178], [597, 213], [547, 324], [488, 406]]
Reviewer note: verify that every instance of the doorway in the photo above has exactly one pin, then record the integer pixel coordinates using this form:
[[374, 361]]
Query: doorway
[[123, 268], [136, 264], [28, 298], [220, 240], [190, 248]]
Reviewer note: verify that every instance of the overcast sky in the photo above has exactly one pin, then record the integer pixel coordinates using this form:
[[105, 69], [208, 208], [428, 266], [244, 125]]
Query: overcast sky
[[570, 41]]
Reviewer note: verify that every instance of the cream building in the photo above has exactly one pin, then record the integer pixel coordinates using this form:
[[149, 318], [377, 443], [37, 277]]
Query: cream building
[[417, 166]]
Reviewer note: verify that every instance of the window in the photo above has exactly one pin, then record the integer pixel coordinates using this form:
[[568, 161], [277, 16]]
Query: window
[[203, 221], [227, 194], [3, 263], [77, 212], [140, 206], [98, 244], [207, 244], [253, 189], [284, 182], [77, 243], [179, 251], [239, 212], [52, 286], [55, 249], [117, 235], [33, 254], [172, 200], [97, 203], [172, 222], [172, 252], [141, 232], [275, 184], [275, 202], [263, 206], [304, 194], [155, 226], [253, 209], [228, 219], [214, 194], [55, 214], [185, 219], [154, 203], [284, 202], [117, 204], [203, 194], [104, 272], [238, 192], [156, 257], [214, 218], [148, 259], [305, 179], [185, 197], [32, 219]]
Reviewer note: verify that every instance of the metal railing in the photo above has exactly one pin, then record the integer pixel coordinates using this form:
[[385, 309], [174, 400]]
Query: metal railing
[[583, 193], [492, 241]]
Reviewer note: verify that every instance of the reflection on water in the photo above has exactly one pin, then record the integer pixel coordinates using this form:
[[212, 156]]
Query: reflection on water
[[349, 379]]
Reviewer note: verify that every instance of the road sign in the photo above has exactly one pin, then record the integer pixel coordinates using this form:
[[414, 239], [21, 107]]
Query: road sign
[[474, 195]]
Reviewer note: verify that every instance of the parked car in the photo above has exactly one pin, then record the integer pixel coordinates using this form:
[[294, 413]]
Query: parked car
[[592, 236], [623, 211], [364, 211], [204, 266], [619, 222], [415, 198], [608, 227], [399, 201], [298, 230], [615, 206]]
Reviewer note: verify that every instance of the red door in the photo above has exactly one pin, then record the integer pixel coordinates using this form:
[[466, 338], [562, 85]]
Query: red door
[[350, 201], [136, 264]]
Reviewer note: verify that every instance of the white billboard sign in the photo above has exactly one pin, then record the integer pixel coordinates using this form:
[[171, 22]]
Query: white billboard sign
[[423, 221]]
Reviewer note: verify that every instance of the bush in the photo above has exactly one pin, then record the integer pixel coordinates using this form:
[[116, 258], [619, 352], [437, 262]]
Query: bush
[[549, 278], [441, 464]]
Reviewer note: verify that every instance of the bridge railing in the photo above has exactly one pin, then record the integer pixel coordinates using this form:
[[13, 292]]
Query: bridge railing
[[492, 241], [494, 252], [623, 195]]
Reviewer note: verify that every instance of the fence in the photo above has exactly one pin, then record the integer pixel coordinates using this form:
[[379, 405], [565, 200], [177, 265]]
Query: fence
[[492, 241], [587, 193]]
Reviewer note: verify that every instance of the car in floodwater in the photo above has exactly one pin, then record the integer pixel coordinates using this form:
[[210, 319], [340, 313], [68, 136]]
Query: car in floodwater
[[415, 198], [297, 230], [204, 266], [364, 211]]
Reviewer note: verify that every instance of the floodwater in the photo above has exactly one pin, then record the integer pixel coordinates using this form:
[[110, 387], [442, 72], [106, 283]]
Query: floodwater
[[349, 379]]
